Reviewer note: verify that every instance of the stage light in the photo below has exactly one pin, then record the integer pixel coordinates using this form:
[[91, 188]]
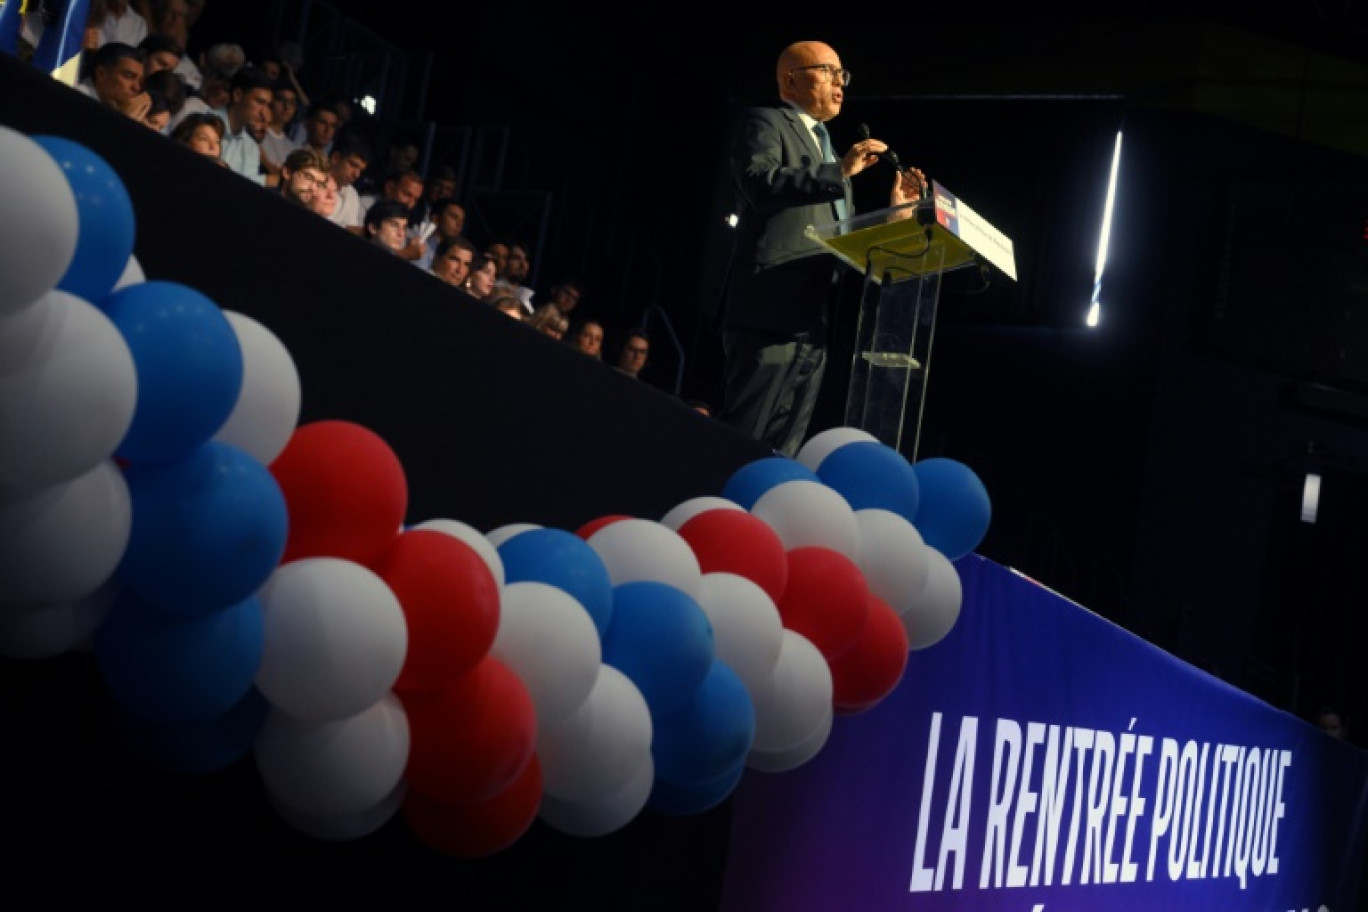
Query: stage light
[[732, 220], [1104, 238], [368, 104]]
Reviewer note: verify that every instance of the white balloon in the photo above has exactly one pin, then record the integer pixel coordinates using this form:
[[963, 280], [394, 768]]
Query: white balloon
[[342, 827], [472, 537], [503, 533], [605, 814], [782, 761], [39, 244], [592, 752], [267, 408], [63, 542], [40, 630], [132, 275], [790, 704], [824, 444], [935, 610], [548, 639], [809, 514], [335, 639], [68, 398], [634, 550], [686, 511], [747, 629], [330, 769], [893, 557]]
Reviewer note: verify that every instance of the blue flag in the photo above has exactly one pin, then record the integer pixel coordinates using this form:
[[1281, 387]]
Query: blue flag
[[60, 45], [11, 21]]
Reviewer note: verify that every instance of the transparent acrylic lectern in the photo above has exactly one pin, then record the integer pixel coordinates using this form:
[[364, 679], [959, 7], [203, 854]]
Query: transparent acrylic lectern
[[902, 253]]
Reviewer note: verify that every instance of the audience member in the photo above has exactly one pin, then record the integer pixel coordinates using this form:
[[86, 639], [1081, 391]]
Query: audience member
[[453, 260], [202, 131], [347, 161], [276, 144], [214, 94], [636, 347], [513, 275], [171, 18], [122, 24], [115, 80], [319, 128], [441, 184], [480, 282], [160, 52], [566, 294], [549, 320], [303, 173], [325, 200], [498, 252], [166, 84], [1331, 721], [386, 224], [406, 188], [158, 113], [246, 115], [588, 338], [507, 304], [448, 220]]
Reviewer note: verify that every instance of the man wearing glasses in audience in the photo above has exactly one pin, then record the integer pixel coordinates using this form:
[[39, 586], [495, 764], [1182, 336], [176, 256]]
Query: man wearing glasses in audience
[[781, 285], [303, 176]]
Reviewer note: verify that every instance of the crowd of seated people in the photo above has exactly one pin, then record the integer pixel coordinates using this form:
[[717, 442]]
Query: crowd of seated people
[[253, 116]]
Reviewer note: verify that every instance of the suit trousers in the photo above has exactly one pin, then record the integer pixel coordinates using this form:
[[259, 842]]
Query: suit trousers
[[772, 384]]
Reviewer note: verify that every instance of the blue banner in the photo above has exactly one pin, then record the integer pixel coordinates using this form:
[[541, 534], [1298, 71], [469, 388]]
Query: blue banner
[[1042, 759]]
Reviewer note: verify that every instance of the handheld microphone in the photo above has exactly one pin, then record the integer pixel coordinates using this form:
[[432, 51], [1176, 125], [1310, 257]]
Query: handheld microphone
[[887, 154]]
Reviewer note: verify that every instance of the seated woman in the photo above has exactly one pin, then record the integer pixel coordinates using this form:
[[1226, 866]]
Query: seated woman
[[548, 319], [480, 283], [202, 132]]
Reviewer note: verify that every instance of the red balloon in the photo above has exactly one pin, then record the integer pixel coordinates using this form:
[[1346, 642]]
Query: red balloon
[[480, 828], [469, 741], [872, 668], [593, 525], [735, 541], [345, 491], [451, 603], [826, 599]]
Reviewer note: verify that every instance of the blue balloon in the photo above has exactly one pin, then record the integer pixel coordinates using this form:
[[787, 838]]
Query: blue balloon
[[709, 734], [189, 366], [195, 748], [173, 668], [564, 560], [685, 799], [955, 511], [661, 640], [105, 233], [869, 474], [750, 482], [208, 530]]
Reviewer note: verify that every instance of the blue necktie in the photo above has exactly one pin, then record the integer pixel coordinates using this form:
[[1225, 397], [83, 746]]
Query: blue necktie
[[829, 155]]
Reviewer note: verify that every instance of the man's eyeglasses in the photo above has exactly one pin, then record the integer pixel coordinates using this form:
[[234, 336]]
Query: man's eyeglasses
[[838, 75]]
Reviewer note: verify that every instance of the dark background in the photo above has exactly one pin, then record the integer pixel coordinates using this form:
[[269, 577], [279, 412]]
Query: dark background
[[1150, 468]]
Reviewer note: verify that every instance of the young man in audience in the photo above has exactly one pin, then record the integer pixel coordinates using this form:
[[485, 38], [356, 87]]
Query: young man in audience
[[588, 338], [346, 163], [319, 128], [386, 225], [513, 274], [276, 145], [448, 220], [453, 260], [636, 348], [406, 188], [302, 176], [325, 200], [160, 52], [247, 114]]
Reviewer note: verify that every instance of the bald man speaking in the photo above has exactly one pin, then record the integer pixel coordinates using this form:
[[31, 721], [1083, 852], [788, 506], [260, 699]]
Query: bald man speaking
[[781, 283]]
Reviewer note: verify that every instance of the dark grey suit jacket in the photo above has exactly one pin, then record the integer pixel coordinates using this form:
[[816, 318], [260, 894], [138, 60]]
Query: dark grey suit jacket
[[780, 280]]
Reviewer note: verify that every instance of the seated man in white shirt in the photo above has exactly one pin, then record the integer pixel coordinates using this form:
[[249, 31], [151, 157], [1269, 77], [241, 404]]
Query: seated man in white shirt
[[247, 113], [116, 73], [347, 162], [122, 24]]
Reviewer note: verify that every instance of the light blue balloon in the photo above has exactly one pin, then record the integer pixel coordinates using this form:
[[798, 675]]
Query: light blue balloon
[[869, 475], [564, 560], [955, 511], [750, 482], [174, 668], [105, 229], [661, 640], [189, 366], [208, 530], [709, 734]]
